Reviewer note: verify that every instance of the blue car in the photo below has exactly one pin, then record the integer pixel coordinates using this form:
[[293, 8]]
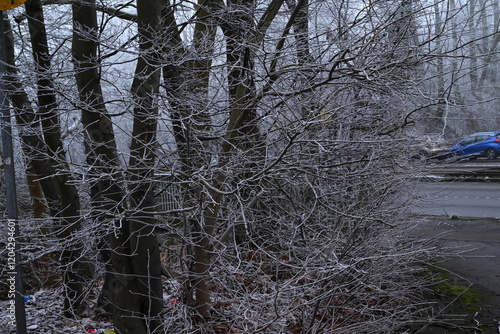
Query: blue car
[[482, 144]]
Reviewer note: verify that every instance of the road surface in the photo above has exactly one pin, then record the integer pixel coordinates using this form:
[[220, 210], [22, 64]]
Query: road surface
[[474, 240], [464, 199]]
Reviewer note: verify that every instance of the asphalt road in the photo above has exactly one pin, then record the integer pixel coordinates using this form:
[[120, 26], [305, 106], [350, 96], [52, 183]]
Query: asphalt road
[[471, 237], [464, 199], [471, 254]]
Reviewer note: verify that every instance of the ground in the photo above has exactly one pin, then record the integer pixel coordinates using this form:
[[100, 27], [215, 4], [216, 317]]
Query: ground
[[466, 295]]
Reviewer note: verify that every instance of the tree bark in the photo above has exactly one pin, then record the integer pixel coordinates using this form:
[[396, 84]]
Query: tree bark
[[190, 123], [139, 306], [107, 192], [62, 197], [47, 104], [242, 129]]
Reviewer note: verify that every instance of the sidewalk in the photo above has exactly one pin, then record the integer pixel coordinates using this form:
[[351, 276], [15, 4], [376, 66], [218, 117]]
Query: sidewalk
[[473, 246]]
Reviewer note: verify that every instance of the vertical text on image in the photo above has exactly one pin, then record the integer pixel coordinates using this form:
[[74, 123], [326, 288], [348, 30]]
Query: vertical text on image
[[11, 270]]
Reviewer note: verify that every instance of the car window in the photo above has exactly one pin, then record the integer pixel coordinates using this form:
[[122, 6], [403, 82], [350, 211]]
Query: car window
[[482, 138], [468, 141], [488, 137]]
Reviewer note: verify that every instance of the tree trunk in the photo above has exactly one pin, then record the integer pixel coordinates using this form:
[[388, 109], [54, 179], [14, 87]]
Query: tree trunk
[[107, 192], [62, 198], [70, 200], [190, 123], [138, 276], [438, 115], [45, 264]]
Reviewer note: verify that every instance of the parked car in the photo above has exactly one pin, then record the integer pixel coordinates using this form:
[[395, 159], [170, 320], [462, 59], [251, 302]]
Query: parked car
[[482, 144], [432, 147]]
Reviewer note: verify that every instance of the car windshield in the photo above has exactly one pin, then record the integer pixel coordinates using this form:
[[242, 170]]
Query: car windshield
[[435, 141]]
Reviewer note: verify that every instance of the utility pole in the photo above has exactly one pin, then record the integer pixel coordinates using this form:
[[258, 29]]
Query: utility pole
[[17, 312]]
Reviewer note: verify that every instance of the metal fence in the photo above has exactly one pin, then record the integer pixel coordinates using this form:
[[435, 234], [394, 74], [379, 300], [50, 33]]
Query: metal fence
[[168, 193]]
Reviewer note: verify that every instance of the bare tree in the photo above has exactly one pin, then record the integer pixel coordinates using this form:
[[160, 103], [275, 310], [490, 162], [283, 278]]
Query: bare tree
[[465, 42], [134, 249], [47, 157]]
